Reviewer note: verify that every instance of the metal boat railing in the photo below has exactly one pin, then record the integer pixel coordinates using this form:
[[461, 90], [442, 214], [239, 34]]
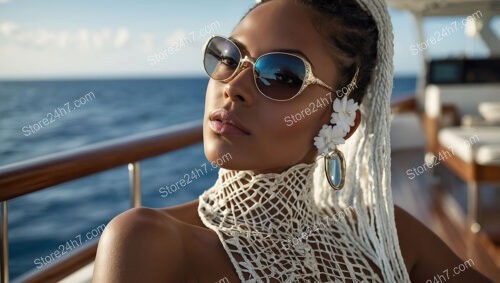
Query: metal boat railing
[[37, 174]]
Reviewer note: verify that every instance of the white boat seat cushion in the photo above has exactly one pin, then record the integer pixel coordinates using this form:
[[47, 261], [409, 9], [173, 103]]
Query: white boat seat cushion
[[473, 144], [406, 131], [465, 98]]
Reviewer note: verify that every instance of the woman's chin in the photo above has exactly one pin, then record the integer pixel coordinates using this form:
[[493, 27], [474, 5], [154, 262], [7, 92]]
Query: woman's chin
[[229, 165]]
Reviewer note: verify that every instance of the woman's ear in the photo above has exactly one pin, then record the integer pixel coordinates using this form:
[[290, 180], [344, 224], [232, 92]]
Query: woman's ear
[[357, 121]]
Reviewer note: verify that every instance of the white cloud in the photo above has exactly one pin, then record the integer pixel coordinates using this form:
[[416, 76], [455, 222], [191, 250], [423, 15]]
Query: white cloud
[[148, 41], [101, 38], [176, 36], [81, 39], [62, 39], [4, 1], [29, 51], [121, 38], [8, 28]]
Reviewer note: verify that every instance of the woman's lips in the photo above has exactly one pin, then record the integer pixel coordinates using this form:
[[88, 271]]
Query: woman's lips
[[225, 128], [226, 123]]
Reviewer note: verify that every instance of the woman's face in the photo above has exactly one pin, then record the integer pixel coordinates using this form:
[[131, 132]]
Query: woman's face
[[275, 141]]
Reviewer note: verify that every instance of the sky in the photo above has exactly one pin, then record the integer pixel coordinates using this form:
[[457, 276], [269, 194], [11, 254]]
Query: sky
[[112, 39]]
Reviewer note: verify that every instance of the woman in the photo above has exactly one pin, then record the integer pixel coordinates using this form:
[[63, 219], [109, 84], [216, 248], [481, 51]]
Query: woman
[[283, 98]]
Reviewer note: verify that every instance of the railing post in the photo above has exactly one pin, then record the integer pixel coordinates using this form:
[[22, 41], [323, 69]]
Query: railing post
[[4, 245], [134, 171]]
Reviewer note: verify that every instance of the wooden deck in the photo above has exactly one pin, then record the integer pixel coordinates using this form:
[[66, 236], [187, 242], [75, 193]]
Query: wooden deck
[[438, 199]]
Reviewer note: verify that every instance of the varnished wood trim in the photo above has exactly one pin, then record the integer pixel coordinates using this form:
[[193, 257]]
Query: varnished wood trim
[[404, 104], [432, 126], [36, 174], [469, 172], [466, 171]]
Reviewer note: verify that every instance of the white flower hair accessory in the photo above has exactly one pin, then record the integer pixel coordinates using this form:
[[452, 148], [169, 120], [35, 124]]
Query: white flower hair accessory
[[344, 113], [328, 137], [343, 117]]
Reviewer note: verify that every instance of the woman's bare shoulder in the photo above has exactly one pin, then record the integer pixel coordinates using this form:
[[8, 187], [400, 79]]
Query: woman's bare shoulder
[[186, 212]]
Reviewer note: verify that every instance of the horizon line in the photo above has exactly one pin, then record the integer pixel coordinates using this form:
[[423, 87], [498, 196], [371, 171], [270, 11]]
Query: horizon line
[[131, 77]]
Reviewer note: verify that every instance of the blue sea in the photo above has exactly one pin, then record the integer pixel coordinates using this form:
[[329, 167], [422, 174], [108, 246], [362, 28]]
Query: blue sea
[[46, 224]]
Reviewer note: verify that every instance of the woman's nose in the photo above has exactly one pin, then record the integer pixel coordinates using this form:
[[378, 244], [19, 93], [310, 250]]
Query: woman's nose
[[242, 87]]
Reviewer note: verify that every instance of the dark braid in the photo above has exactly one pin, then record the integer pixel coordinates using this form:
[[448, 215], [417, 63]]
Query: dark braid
[[350, 36]]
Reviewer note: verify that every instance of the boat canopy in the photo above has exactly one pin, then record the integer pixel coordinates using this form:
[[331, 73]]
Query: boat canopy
[[441, 8], [481, 12]]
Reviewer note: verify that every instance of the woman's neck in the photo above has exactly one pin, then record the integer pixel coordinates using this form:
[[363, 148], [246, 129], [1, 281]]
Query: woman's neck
[[262, 200], [309, 158]]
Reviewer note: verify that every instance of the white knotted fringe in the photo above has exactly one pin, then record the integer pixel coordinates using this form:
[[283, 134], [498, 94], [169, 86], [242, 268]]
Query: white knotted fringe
[[369, 169], [241, 206], [368, 185]]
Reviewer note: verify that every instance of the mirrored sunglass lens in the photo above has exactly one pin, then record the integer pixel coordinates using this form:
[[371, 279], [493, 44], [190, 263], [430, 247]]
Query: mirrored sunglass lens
[[221, 58], [279, 76]]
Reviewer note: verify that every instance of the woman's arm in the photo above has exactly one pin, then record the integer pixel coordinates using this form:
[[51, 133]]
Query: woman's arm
[[431, 259]]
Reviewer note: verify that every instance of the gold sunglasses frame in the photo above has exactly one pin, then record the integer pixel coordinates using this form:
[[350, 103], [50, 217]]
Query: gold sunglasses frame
[[310, 78]]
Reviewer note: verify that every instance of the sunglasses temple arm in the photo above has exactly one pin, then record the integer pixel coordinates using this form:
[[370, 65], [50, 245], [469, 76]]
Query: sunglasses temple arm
[[321, 83], [325, 85], [353, 82]]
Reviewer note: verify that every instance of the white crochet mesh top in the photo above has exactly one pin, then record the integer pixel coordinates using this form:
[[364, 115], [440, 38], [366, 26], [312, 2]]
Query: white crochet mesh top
[[272, 229]]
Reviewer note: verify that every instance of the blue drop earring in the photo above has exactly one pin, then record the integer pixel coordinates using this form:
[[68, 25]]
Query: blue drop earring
[[335, 169]]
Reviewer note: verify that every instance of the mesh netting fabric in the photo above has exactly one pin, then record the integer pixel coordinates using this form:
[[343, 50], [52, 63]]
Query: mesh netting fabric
[[271, 228]]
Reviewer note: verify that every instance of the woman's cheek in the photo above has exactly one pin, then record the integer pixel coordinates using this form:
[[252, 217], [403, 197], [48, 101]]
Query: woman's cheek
[[296, 125], [211, 93]]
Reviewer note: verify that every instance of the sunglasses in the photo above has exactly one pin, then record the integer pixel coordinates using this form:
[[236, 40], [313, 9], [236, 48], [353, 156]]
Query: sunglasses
[[278, 76]]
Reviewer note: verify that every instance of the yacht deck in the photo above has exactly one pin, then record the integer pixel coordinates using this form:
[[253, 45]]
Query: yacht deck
[[439, 201]]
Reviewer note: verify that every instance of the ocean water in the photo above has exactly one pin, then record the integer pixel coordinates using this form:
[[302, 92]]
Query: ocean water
[[46, 225]]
